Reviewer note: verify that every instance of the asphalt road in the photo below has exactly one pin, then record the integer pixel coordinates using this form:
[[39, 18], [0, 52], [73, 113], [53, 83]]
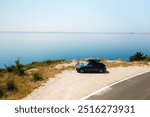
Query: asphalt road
[[137, 88]]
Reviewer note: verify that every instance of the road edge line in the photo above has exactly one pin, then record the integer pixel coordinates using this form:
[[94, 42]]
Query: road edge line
[[108, 86]]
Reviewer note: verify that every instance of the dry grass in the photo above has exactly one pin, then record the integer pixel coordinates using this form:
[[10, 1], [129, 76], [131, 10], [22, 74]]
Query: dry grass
[[123, 63], [26, 84]]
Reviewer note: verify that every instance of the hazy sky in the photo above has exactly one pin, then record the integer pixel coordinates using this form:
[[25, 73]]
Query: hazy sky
[[75, 15]]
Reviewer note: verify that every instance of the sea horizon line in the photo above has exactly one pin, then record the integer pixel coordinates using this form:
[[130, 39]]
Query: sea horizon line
[[74, 32]]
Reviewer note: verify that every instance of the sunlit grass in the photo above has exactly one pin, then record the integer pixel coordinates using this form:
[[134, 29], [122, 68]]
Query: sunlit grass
[[16, 86]]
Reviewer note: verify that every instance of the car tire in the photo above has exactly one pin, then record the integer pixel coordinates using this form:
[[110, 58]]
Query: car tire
[[81, 71]]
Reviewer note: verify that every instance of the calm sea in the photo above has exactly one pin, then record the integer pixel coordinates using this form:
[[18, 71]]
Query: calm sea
[[43, 46]]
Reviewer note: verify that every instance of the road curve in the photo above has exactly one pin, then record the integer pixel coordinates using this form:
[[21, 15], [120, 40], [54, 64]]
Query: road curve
[[136, 88]]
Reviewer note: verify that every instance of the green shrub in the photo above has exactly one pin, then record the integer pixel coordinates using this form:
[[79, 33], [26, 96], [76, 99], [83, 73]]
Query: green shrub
[[1, 92], [37, 77], [138, 56], [11, 68], [10, 85], [21, 72], [20, 67], [2, 70]]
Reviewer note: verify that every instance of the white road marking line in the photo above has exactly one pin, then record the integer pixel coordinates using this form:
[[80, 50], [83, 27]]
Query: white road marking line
[[108, 87]]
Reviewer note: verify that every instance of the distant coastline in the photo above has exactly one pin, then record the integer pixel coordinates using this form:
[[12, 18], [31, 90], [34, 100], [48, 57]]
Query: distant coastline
[[75, 32]]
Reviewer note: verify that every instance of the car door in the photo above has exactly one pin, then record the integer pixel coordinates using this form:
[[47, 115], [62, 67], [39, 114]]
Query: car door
[[91, 67], [88, 67], [95, 67]]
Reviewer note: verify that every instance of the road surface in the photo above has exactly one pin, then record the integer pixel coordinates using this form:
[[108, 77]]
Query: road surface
[[137, 88]]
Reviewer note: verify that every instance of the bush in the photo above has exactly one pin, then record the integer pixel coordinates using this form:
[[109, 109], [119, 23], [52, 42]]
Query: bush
[[21, 72], [20, 68], [37, 77], [138, 56], [11, 68], [10, 85], [2, 70], [1, 92]]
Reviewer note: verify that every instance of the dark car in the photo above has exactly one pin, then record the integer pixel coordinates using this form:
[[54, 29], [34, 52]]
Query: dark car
[[91, 66]]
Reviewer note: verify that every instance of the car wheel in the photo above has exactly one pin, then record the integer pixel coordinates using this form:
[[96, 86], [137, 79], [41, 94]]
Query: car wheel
[[81, 71]]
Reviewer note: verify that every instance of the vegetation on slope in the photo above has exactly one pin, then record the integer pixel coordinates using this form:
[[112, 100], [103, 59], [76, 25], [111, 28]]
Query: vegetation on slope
[[138, 56], [17, 81]]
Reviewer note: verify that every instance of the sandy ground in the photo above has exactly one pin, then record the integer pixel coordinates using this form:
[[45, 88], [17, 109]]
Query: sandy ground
[[70, 85]]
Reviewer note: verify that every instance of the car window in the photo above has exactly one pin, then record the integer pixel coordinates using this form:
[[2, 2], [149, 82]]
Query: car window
[[91, 63], [85, 64]]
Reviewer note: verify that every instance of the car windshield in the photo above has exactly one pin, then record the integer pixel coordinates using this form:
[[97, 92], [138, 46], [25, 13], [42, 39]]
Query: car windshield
[[85, 64]]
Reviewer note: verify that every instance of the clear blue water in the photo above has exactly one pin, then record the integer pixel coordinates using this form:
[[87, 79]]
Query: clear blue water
[[43, 46]]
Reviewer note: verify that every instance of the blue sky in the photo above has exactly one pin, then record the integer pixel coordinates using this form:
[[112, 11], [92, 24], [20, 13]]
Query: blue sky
[[75, 15]]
